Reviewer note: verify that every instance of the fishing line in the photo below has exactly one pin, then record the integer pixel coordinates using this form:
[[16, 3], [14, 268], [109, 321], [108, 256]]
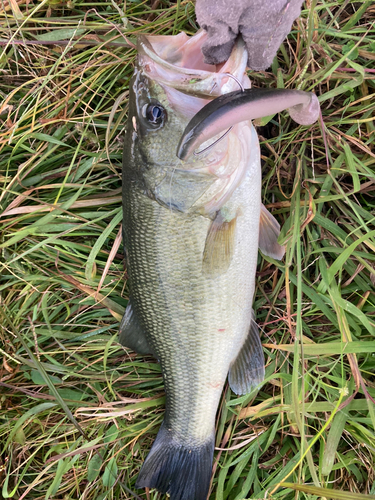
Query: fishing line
[[197, 153]]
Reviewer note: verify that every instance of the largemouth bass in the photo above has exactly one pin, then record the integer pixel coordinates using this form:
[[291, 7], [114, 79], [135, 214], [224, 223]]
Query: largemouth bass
[[191, 235]]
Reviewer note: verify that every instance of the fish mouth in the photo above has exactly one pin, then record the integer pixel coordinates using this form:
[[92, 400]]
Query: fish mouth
[[177, 62]]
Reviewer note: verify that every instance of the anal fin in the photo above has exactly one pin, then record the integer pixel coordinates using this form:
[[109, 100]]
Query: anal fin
[[269, 230], [131, 333], [247, 371]]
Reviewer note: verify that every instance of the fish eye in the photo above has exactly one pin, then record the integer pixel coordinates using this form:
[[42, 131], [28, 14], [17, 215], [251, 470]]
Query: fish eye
[[154, 113]]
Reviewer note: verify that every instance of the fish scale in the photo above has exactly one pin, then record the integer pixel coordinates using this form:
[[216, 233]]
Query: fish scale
[[184, 312]]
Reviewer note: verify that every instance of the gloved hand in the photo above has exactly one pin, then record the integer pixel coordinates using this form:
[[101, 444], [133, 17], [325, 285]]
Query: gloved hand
[[263, 25]]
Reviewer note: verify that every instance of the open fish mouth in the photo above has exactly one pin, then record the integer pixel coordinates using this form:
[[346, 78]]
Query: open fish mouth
[[177, 62]]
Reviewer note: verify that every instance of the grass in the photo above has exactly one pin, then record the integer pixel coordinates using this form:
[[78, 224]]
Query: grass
[[78, 412]]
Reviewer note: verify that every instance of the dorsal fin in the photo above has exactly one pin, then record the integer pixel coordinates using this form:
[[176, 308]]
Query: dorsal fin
[[269, 230]]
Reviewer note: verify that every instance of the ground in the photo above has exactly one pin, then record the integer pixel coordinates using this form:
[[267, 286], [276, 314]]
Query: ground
[[78, 412]]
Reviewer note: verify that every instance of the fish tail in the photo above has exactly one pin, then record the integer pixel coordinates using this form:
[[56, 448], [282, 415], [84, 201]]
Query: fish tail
[[181, 471]]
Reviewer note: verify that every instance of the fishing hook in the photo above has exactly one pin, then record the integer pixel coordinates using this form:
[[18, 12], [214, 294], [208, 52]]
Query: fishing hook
[[197, 153]]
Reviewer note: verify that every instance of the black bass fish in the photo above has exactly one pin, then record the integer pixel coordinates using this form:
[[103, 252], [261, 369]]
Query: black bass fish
[[192, 228]]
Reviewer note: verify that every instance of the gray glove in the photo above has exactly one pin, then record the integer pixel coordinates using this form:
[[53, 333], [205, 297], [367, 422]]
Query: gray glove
[[263, 25]]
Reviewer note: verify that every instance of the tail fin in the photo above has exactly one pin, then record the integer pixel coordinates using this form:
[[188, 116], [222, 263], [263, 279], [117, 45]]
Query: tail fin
[[182, 472]]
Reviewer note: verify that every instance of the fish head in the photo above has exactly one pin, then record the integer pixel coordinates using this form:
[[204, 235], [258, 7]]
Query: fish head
[[171, 83]]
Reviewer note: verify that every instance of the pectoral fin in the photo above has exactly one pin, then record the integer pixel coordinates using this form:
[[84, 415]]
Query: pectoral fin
[[219, 247], [269, 230], [131, 333], [247, 371]]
